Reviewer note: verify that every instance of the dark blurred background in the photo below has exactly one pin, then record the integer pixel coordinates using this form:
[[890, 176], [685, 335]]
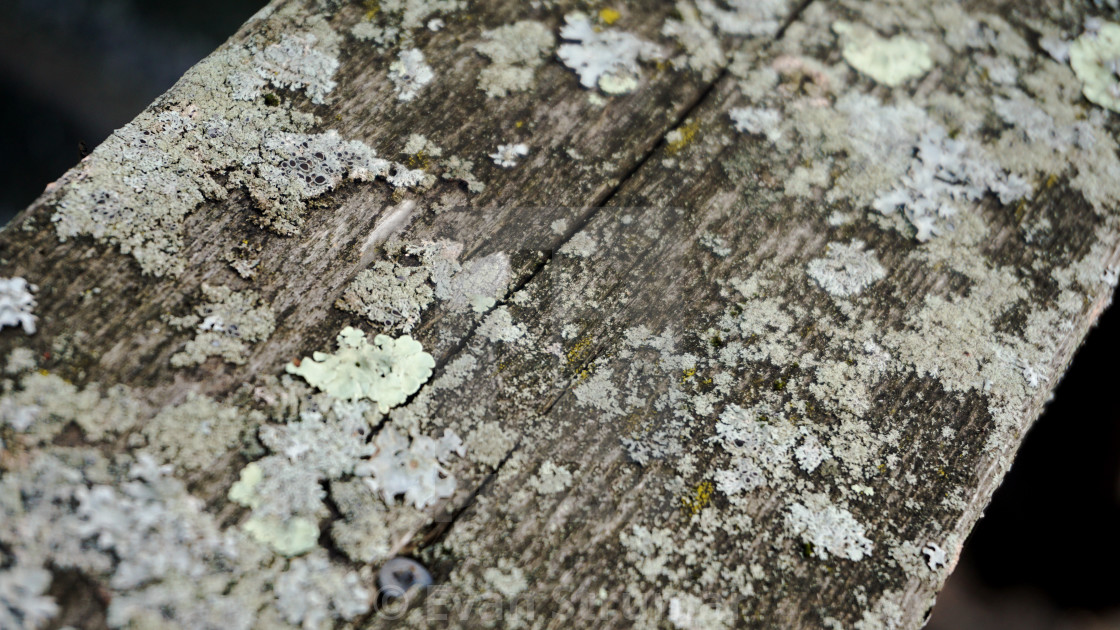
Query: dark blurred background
[[1044, 558]]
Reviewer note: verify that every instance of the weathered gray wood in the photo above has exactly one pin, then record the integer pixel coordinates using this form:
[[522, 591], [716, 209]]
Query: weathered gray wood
[[648, 296]]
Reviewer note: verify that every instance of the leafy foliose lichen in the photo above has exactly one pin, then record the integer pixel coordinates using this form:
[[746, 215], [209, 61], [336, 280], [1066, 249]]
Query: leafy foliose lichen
[[409, 73], [507, 154], [605, 59], [387, 371], [1095, 57], [412, 468], [889, 61]]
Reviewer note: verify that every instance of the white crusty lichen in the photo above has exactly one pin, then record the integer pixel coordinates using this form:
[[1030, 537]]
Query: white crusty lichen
[[829, 529], [891, 61], [846, 269], [313, 591], [302, 61], [1095, 58], [515, 51], [606, 59], [761, 121], [551, 478], [753, 18], [688, 612], [225, 325], [412, 468], [507, 155], [458, 169], [393, 23], [943, 174], [132, 528], [476, 284], [410, 73], [935, 556], [759, 441], [24, 604], [387, 371], [17, 304]]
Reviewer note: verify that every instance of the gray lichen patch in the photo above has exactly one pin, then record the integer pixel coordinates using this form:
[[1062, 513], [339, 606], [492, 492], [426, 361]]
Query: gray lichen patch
[[515, 51], [702, 51], [390, 295], [752, 18], [43, 404], [477, 284], [135, 529], [212, 132], [305, 61], [829, 529], [198, 431], [393, 23], [225, 325], [846, 269], [458, 169], [410, 73]]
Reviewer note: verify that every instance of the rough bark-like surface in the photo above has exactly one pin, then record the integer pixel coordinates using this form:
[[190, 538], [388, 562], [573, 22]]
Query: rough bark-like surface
[[746, 337]]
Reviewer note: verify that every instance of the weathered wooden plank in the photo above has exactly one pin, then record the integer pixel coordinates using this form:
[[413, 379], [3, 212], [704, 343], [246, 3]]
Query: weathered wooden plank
[[712, 406], [187, 188], [920, 385]]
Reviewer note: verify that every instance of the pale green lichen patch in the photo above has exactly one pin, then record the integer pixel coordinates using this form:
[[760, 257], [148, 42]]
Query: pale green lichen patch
[[386, 371], [292, 537], [1095, 57], [225, 325], [515, 51], [889, 61]]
